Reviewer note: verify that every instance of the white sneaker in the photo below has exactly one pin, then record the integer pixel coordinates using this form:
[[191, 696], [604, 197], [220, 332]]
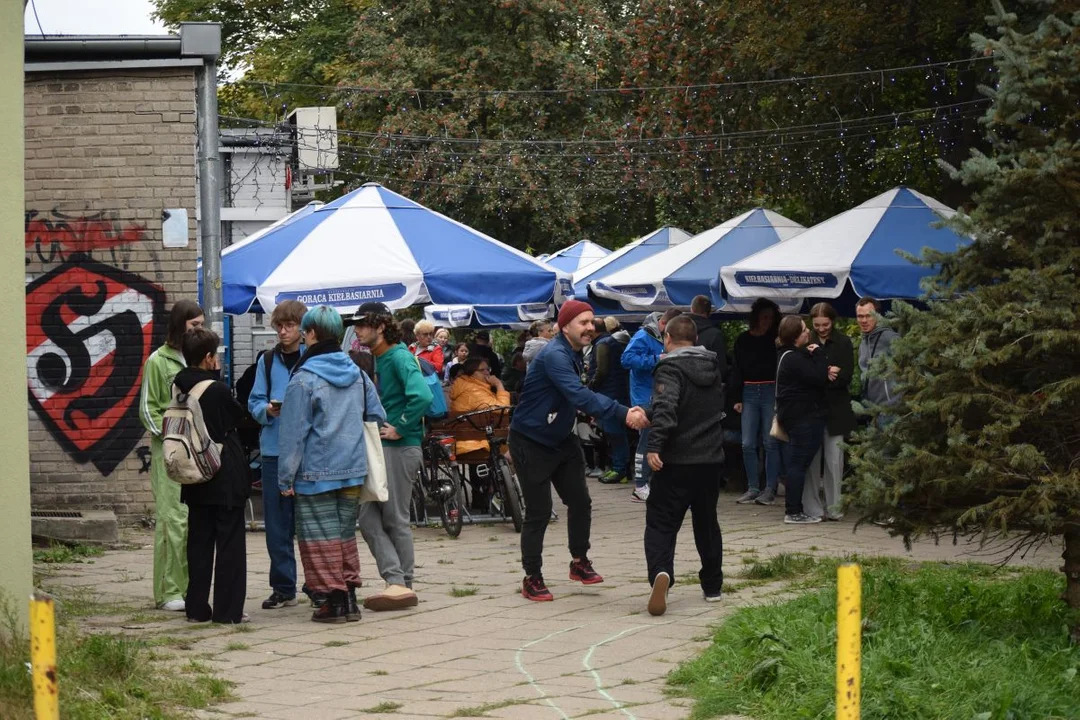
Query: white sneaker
[[640, 494], [174, 606]]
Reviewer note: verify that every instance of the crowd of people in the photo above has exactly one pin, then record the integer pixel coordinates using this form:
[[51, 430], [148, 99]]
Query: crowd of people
[[663, 400]]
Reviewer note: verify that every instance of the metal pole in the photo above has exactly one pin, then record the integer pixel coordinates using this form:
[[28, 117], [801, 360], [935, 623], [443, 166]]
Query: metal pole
[[43, 658], [210, 194], [848, 641]]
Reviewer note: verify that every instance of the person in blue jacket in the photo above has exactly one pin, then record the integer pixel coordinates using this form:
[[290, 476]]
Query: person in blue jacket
[[546, 451], [264, 404], [640, 358]]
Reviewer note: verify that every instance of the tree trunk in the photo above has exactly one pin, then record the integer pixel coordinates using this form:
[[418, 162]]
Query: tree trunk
[[1071, 554]]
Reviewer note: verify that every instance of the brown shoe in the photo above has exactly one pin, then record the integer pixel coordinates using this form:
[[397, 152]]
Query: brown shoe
[[658, 597], [394, 597]]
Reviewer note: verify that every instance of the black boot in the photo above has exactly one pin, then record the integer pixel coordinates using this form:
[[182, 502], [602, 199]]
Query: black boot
[[352, 611], [335, 610]]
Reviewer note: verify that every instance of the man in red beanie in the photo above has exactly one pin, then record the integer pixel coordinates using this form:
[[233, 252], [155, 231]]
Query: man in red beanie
[[547, 452]]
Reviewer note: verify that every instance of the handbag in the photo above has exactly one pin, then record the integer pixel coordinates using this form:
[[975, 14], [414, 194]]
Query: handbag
[[777, 430], [375, 487]]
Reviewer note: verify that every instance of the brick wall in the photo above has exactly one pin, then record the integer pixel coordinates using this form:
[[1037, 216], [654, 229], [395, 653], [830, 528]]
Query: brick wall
[[106, 154]]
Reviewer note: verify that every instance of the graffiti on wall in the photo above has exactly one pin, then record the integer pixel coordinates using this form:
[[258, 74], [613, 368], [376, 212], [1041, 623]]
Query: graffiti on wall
[[90, 328], [54, 236]]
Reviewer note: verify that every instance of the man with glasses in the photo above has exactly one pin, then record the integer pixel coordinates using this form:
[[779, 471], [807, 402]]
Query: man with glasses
[[272, 374]]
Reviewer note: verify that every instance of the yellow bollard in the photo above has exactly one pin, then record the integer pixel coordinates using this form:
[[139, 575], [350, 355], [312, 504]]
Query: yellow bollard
[[848, 641], [43, 657]]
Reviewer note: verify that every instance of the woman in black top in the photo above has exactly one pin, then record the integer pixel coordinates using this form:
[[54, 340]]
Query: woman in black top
[[802, 372], [827, 468]]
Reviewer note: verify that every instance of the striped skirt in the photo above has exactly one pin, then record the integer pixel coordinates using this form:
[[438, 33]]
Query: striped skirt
[[326, 533]]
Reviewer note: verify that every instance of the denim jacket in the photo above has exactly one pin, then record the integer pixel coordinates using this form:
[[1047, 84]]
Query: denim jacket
[[321, 436]]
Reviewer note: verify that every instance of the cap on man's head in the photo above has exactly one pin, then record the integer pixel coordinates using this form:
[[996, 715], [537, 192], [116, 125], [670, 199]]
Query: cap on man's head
[[482, 335], [369, 311], [570, 310]]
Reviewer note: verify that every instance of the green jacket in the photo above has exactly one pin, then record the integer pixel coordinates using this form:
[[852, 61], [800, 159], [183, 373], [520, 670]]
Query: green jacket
[[156, 392], [404, 394]]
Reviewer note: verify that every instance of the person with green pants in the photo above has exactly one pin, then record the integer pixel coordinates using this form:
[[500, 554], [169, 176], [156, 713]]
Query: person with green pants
[[171, 525]]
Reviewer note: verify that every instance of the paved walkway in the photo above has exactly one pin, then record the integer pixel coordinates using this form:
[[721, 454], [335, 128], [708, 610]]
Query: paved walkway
[[594, 651]]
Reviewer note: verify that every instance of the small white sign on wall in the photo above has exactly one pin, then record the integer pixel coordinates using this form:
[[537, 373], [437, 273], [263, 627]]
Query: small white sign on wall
[[174, 228]]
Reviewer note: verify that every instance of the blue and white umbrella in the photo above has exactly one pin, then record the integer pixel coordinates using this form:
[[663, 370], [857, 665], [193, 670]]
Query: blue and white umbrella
[[857, 246], [644, 247], [477, 316], [375, 245], [578, 256], [675, 276]]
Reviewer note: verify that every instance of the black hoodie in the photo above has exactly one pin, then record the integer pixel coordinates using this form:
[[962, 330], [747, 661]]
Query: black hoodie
[[710, 337], [221, 413], [688, 404]]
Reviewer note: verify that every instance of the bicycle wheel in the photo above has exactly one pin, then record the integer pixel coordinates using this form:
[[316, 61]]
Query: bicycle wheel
[[511, 490], [451, 496]]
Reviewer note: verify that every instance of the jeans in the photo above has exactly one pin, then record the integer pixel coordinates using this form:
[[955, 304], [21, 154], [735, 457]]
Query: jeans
[[539, 468], [385, 526], [618, 444], [676, 489], [757, 415], [642, 471], [804, 439], [279, 519]]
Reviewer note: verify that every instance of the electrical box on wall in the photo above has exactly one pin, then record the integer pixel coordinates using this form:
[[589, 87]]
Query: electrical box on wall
[[315, 136]]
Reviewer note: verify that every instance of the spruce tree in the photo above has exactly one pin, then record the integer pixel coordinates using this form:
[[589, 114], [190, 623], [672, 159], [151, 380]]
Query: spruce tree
[[986, 440]]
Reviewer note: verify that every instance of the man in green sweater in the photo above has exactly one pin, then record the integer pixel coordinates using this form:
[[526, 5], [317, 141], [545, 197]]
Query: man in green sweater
[[405, 397], [171, 516]]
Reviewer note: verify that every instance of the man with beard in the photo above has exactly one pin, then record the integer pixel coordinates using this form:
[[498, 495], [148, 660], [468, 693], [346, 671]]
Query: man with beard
[[547, 453]]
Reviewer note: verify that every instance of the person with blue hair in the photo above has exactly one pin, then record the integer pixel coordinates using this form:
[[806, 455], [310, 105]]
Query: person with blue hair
[[323, 462]]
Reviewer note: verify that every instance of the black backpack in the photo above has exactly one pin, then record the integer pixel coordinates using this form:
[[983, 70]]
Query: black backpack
[[249, 428]]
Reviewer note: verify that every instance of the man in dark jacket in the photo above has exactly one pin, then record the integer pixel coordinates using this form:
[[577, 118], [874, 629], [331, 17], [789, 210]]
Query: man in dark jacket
[[216, 545], [547, 452], [613, 380], [709, 335], [685, 452]]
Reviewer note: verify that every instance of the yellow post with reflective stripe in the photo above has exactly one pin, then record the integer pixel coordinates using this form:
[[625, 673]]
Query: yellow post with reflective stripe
[[848, 641], [43, 658]]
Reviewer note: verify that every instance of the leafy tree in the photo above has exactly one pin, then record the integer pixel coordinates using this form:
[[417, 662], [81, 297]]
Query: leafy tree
[[986, 440]]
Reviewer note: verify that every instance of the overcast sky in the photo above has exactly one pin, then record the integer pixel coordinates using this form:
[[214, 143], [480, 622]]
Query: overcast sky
[[92, 17]]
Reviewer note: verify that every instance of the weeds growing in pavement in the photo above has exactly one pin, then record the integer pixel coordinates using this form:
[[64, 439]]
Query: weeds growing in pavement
[[939, 641], [784, 566], [66, 553], [463, 591], [383, 707], [483, 710]]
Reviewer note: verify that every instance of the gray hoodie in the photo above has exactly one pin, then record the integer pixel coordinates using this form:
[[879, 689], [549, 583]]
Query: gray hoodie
[[878, 386], [688, 405], [532, 347]]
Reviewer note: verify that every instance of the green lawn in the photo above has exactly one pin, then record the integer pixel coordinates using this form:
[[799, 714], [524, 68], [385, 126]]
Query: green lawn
[[969, 642]]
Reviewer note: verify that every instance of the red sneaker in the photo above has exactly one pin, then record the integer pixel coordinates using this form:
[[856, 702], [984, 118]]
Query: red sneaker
[[582, 571], [533, 588]]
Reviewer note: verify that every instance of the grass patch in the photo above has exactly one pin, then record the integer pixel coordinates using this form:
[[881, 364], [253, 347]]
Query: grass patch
[[234, 646], [463, 591], [784, 566], [335, 643], [383, 707], [940, 641], [482, 710], [105, 676], [379, 672], [67, 553], [444, 561]]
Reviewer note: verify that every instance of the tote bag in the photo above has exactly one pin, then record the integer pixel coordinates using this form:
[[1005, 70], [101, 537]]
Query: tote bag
[[777, 430], [375, 488]]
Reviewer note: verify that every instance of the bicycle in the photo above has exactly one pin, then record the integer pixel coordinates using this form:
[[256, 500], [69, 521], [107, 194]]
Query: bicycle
[[439, 483], [492, 425]]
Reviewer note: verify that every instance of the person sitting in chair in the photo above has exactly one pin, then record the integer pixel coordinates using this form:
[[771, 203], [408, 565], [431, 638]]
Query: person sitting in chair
[[476, 389]]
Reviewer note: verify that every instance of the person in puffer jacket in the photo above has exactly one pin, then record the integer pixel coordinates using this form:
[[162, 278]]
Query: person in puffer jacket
[[685, 451]]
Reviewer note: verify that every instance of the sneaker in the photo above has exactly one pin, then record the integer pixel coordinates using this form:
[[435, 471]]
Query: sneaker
[[582, 571], [658, 596], [834, 517], [174, 606], [594, 472], [613, 477], [334, 610], [712, 597], [533, 588], [394, 597], [277, 600], [748, 497], [640, 494], [767, 497], [801, 519]]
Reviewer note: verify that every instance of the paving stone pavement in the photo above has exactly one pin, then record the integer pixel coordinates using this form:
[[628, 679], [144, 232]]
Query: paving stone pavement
[[594, 651]]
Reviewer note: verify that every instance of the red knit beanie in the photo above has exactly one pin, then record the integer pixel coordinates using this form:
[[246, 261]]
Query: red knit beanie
[[570, 310]]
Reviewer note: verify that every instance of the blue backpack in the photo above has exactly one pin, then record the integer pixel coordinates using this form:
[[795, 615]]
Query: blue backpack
[[438, 409]]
